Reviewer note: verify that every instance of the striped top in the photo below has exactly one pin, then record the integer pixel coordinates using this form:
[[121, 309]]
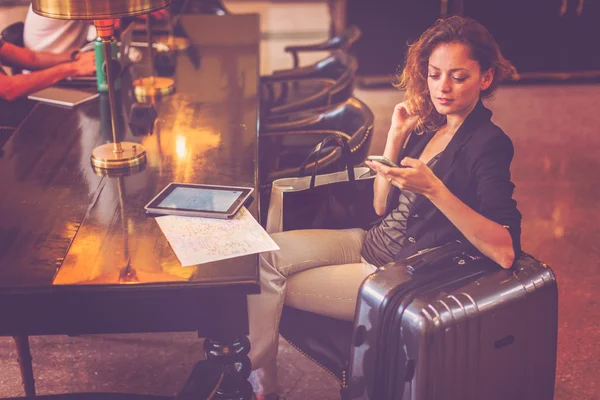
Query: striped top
[[385, 240]]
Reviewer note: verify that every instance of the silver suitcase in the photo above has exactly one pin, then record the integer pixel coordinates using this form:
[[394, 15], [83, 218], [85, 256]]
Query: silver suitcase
[[455, 328]]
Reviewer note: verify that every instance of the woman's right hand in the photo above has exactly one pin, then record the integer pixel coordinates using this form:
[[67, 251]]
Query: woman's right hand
[[85, 64], [403, 120]]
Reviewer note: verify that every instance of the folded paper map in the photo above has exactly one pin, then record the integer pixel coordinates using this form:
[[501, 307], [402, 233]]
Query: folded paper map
[[201, 240]]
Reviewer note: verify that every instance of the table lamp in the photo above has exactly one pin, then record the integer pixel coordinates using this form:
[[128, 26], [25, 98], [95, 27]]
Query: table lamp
[[116, 154], [152, 87]]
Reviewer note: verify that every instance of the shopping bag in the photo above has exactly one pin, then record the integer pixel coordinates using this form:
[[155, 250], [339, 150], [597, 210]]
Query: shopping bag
[[338, 200]]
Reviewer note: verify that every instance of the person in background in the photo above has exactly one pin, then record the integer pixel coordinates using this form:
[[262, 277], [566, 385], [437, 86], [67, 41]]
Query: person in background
[[55, 35], [47, 69]]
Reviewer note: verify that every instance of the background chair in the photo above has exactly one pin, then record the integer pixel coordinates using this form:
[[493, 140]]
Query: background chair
[[282, 95], [285, 146], [297, 89], [341, 42], [302, 131], [324, 340], [13, 34]]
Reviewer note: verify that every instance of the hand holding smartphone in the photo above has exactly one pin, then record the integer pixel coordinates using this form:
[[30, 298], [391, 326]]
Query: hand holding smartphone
[[383, 160]]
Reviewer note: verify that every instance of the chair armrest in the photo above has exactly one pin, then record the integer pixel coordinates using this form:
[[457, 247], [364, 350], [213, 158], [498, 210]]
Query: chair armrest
[[267, 79], [326, 161], [297, 72], [324, 132], [297, 125], [342, 42], [331, 44], [279, 104]]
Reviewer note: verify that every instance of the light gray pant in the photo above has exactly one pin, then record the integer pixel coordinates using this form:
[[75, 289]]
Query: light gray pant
[[314, 270]]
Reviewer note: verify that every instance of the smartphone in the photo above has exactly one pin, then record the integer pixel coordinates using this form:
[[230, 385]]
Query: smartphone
[[383, 160]]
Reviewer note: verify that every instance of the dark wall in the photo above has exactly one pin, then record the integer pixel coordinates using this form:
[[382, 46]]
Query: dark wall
[[387, 26], [534, 34]]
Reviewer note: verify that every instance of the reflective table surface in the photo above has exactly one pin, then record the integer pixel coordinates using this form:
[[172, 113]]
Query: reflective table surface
[[65, 228]]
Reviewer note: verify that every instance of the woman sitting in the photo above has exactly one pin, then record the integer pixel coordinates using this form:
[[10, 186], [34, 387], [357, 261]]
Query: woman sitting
[[453, 183]]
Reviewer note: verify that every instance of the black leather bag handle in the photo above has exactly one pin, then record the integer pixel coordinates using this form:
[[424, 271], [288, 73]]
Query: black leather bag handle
[[339, 141]]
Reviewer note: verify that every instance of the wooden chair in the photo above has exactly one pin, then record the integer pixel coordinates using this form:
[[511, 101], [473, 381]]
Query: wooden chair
[[299, 136], [283, 148], [298, 89], [341, 42]]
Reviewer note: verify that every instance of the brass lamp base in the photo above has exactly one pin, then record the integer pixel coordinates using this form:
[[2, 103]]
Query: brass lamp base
[[174, 42], [153, 87], [104, 156], [119, 172]]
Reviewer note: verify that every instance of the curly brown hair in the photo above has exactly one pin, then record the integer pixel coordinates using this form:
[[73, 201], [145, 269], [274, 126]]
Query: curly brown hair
[[482, 47]]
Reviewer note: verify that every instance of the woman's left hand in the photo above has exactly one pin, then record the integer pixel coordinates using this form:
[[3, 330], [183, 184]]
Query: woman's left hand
[[416, 177]]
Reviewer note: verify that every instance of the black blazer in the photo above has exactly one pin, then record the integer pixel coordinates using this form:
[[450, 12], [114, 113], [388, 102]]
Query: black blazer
[[475, 166]]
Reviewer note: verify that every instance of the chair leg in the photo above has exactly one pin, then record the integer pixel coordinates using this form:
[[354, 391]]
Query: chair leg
[[24, 358]]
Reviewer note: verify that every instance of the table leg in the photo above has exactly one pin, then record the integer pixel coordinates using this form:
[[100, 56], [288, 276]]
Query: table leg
[[232, 357], [24, 359]]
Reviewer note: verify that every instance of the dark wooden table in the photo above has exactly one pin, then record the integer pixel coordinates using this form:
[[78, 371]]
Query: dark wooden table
[[60, 222]]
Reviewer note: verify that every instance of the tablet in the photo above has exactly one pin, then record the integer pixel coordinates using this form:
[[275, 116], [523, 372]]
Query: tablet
[[74, 81], [69, 97], [193, 200]]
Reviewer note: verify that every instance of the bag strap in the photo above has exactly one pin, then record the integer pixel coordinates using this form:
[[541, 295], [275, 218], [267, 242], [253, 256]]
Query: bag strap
[[334, 139]]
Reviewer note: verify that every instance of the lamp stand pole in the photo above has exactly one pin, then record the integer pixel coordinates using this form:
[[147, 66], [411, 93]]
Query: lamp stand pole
[[116, 154]]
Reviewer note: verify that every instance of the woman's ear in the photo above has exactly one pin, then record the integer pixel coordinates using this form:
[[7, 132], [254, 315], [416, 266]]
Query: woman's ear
[[486, 79]]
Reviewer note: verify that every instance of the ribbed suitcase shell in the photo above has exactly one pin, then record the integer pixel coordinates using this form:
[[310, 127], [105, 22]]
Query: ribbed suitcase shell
[[479, 333]]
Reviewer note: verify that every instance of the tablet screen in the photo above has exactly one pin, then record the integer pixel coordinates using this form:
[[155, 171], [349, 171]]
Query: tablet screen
[[197, 200], [200, 200]]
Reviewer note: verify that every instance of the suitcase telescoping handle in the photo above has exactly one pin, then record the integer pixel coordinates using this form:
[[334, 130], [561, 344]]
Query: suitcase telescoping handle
[[426, 261]]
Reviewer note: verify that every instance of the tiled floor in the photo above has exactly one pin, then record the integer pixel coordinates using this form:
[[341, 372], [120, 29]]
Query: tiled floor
[[555, 129]]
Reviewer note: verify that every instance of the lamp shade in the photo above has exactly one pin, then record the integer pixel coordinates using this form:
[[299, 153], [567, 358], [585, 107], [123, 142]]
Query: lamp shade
[[96, 9]]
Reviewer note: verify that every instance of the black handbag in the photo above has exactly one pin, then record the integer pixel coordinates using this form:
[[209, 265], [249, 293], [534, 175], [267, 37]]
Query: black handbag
[[339, 200]]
